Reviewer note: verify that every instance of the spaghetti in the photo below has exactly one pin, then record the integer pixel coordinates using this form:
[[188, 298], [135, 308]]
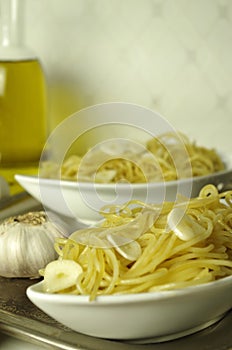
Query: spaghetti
[[163, 261], [167, 157]]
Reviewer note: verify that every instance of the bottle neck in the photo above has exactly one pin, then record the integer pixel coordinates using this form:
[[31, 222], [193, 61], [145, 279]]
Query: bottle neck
[[11, 31], [11, 25]]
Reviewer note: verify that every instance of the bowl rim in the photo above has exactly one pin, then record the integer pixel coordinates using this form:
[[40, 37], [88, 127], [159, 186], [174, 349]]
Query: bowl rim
[[86, 185], [35, 292]]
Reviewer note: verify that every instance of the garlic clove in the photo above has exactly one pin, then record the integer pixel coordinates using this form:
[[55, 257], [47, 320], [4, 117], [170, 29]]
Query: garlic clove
[[183, 225], [60, 275], [130, 250]]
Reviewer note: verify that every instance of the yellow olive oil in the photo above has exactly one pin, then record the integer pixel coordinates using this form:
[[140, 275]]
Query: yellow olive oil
[[22, 112], [22, 97]]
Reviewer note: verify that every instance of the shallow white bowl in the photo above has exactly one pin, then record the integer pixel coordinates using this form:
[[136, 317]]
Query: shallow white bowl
[[106, 125], [83, 201], [162, 315]]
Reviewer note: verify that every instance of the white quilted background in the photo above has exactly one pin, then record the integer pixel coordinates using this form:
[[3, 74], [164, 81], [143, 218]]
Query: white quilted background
[[173, 56]]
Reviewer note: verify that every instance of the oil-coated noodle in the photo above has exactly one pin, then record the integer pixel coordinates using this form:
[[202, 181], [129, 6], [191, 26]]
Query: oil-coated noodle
[[165, 261], [156, 162]]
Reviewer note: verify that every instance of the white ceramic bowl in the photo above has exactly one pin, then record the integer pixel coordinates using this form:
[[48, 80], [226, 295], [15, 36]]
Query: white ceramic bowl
[[109, 124], [83, 201], [162, 315]]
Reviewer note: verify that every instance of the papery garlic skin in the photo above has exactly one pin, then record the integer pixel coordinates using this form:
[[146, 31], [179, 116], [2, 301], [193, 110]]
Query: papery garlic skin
[[26, 245]]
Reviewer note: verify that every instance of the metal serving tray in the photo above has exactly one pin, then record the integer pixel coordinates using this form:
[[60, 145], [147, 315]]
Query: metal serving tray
[[22, 319]]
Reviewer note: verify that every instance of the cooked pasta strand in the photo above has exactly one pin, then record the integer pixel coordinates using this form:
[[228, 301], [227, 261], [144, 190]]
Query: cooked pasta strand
[[167, 157], [165, 262]]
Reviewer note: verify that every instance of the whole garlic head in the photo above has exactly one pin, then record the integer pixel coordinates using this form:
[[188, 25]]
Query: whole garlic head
[[26, 244]]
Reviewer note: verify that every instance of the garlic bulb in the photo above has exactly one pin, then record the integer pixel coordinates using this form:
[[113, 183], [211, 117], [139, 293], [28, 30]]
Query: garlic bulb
[[26, 244]]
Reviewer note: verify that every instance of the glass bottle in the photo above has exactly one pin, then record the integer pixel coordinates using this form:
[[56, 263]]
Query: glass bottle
[[22, 96]]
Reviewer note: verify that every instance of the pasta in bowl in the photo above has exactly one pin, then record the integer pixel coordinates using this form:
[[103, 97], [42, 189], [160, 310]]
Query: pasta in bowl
[[167, 157], [115, 173], [145, 271]]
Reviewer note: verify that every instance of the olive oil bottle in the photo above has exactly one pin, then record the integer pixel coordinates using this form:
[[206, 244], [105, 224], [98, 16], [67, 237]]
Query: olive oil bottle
[[22, 96]]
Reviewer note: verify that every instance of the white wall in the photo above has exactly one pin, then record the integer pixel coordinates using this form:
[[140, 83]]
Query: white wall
[[173, 56]]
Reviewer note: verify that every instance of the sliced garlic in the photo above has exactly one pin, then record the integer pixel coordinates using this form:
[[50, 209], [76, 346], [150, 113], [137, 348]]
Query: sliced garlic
[[182, 224], [105, 176], [60, 275], [130, 250], [26, 244]]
